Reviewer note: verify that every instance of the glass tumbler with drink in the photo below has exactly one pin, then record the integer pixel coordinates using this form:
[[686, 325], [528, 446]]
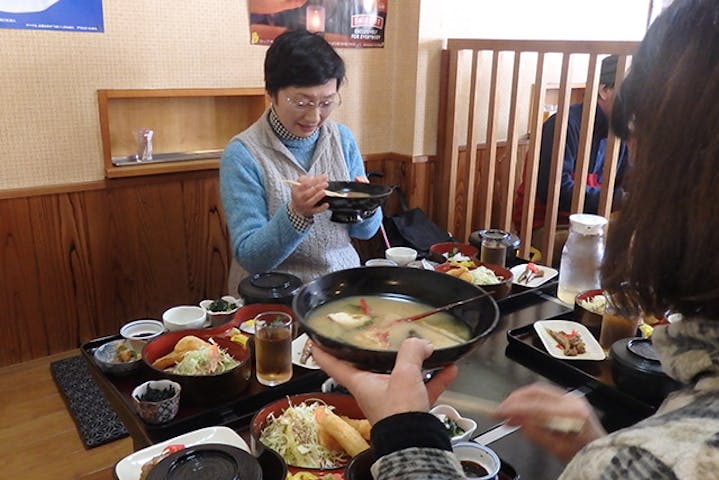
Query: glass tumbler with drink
[[494, 249], [616, 327], [273, 348]]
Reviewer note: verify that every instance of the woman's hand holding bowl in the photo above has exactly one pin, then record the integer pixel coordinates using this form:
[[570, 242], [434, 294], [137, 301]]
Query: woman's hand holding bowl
[[307, 195], [381, 395]]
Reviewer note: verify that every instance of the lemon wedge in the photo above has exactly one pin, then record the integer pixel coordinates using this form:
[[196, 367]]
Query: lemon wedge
[[239, 338]]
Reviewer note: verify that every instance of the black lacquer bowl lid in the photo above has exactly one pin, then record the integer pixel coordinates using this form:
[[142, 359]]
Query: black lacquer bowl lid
[[211, 460], [269, 287]]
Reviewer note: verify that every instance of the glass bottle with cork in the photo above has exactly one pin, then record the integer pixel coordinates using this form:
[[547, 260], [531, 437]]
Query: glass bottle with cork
[[581, 256]]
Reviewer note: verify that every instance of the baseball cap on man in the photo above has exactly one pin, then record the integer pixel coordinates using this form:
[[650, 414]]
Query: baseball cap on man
[[608, 70]]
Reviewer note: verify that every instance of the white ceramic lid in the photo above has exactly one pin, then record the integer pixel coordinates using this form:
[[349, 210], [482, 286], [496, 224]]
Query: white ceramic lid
[[587, 224]]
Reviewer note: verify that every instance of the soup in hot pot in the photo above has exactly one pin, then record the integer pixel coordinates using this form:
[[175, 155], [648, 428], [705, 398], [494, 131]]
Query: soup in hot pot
[[371, 322]]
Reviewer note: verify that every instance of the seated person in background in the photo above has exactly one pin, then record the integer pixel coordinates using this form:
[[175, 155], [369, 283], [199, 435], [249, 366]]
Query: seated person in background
[[605, 98], [274, 226], [643, 269]]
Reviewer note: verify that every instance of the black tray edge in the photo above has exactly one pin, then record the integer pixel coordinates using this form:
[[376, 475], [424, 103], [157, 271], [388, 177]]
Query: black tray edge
[[564, 372], [235, 413]]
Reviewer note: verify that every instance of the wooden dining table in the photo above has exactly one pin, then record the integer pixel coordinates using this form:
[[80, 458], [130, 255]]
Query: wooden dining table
[[490, 372]]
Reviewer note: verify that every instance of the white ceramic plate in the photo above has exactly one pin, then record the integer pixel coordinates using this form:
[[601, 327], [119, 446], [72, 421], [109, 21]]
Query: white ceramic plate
[[517, 270], [130, 467], [248, 326], [593, 349], [298, 344]]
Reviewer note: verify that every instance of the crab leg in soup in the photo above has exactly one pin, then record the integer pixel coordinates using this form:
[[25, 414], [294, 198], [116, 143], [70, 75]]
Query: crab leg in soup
[[370, 322]]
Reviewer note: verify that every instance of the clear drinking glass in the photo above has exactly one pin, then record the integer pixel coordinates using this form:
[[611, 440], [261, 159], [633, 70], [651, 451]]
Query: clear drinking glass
[[616, 327], [494, 248], [273, 348]]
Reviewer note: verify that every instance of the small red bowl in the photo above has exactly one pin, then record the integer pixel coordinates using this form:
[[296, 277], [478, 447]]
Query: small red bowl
[[202, 389], [440, 249], [589, 318], [344, 405]]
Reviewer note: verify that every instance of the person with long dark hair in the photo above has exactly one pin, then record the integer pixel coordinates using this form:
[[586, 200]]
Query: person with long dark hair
[[660, 256]]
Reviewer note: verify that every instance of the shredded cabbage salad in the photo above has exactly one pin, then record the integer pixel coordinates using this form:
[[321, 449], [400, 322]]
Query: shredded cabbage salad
[[209, 360], [294, 435], [596, 304], [484, 276]]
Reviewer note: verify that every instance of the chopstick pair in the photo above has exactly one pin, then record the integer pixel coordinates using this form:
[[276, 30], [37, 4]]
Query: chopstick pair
[[555, 423], [328, 193]]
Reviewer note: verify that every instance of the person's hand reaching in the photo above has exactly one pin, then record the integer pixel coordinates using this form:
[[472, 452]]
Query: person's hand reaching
[[532, 406], [382, 395], [307, 195]]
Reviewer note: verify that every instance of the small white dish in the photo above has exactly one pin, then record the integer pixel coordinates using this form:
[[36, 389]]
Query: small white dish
[[593, 350], [185, 317], [143, 330], [298, 345], [469, 453], [130, 467], [248, 326], [401, 255], [446, 412], [220, 318], [423, 264], [380, 262], [549, 273], [228, 298]]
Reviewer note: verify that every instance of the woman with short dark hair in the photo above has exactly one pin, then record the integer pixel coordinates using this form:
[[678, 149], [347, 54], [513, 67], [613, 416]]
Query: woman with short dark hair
[[661, 255], [274, 226]]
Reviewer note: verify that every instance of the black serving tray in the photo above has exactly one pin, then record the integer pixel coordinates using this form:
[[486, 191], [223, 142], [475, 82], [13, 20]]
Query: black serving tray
[[236, 413], [525, 347]]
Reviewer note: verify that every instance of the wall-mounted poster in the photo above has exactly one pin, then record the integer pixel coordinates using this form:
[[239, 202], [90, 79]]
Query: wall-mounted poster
[[344, 23], [59, 15]]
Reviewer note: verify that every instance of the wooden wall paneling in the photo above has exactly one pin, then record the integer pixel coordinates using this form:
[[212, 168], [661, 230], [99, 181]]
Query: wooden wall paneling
[[532, 162], [612, 153], [420, 181], [109, 310], [557, 160], [206, 233], [21, 330], [65, 269], [149, 249]]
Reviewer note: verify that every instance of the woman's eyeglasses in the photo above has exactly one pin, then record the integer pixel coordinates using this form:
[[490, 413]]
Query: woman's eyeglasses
[[302, 105]]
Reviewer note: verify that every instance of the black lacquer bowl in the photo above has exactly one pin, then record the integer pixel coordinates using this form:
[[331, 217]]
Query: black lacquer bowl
[[209, 460], [426, 286], [354, 209]]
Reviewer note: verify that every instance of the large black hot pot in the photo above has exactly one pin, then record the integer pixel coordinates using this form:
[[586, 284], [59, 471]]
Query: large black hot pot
[[426, 286]]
